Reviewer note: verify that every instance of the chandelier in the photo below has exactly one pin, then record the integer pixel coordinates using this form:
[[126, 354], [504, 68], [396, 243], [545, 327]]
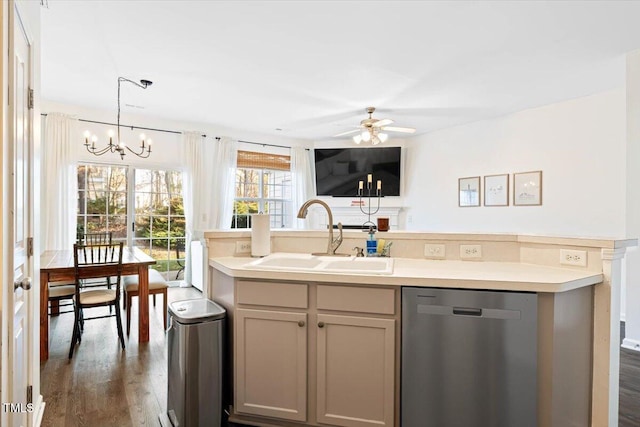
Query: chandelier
[[119, 146], [370, 134]]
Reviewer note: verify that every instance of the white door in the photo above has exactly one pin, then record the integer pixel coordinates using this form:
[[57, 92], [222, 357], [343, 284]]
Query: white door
[[20, 149]]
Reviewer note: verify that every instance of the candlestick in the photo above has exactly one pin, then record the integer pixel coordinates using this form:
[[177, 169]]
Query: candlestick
[[370, 209]]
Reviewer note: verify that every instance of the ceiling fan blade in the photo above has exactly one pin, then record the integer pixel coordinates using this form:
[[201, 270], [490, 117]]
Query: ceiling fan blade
[[349, 132], [322, 120], [382, 122], [398, 129]]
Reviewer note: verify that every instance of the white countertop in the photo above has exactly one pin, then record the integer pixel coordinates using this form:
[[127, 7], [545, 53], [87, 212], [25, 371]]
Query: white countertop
[[432, 273]]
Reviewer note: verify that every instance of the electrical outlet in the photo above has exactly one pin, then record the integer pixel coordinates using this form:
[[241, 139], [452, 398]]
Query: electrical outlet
[[243, 247], [573, 257], [470, 251], [432, 250]]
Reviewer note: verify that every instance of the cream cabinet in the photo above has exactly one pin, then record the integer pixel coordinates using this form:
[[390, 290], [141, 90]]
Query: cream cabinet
[[355, 374], [271, 364], [315, 354]]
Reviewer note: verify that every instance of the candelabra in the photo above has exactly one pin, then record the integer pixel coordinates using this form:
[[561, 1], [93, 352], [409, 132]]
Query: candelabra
[[377, 195]]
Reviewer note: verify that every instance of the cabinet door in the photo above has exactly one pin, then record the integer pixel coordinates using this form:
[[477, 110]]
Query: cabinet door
[[271, 364], [355, 377]]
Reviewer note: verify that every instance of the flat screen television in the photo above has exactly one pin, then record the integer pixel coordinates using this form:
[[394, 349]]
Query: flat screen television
[[338, 170]]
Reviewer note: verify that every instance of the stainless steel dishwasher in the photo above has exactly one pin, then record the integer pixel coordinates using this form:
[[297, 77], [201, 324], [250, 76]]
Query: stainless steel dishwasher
[[469, 358]]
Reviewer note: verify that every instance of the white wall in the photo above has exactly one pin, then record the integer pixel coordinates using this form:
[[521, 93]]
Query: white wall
[[631, 299], [578, 144]]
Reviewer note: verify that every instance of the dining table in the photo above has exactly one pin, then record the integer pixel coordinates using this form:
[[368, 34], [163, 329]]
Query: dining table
[[57, 266]]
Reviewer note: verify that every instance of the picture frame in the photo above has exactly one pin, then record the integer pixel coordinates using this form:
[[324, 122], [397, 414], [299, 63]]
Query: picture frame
[[469, 191], [496, 190], [527, 188]]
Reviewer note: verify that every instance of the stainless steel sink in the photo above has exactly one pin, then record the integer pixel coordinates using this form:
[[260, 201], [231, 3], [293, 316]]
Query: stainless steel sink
[[323, 264]]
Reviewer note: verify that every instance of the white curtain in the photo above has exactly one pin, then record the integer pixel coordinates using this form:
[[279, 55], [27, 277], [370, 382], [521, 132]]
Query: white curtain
[[225, 161], [208, 186], [302, 181], [60, 182]]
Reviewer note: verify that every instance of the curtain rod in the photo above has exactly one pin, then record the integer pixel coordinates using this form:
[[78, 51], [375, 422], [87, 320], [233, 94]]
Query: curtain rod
[[174, 132]]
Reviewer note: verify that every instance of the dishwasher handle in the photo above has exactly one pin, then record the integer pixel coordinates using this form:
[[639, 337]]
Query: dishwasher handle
[[467, 311], [485, 313]]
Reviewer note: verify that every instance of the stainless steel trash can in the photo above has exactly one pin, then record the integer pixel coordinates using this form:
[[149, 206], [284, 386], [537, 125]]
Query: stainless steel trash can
[[195, 351]]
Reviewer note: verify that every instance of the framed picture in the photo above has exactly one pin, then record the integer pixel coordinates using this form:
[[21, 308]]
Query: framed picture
[[469, 191], [496, 190], [527, 188]]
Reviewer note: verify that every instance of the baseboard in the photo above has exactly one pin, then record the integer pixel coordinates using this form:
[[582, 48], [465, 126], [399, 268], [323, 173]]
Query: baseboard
[[631, 344], [39, 412]]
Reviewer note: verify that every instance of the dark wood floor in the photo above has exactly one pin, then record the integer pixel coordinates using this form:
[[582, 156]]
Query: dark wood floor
[[104, 386], [629, 387]]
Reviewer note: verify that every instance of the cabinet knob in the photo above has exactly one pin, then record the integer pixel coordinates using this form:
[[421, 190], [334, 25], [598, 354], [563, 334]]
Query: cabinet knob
[[320, 324], [301, 323]]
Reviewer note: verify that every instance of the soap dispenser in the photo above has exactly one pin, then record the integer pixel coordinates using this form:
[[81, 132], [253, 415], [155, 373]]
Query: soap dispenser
[[372, 244]]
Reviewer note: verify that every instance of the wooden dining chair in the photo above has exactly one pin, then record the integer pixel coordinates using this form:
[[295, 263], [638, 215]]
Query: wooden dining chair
[[157, 285], [58, 292], [98, 238], [91, 262]]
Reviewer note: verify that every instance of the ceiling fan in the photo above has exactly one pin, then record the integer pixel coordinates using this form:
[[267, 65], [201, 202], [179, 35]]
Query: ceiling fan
[[370, 129]]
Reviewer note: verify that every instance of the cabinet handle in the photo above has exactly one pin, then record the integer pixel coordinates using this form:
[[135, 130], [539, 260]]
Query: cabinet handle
[[320, 324], [301, 323]]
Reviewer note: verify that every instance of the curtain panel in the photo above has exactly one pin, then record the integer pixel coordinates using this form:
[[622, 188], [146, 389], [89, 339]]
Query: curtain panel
[[59, 181], [302, 180]]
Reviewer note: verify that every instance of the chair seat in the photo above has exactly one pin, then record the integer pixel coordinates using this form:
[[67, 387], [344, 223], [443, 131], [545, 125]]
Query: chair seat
[[156, 282], [97, 296], [61, 291]]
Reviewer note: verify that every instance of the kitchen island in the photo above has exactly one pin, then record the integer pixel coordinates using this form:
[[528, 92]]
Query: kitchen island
[[296, 333]]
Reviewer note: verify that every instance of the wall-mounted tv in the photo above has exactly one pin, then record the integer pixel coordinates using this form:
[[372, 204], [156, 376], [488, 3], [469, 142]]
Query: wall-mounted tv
[[338, 170]]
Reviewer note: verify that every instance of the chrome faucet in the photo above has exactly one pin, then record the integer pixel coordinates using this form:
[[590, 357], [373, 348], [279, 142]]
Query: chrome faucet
[[333, 244]]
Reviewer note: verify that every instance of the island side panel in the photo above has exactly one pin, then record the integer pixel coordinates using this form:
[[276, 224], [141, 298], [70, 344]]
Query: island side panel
[[221, 290]]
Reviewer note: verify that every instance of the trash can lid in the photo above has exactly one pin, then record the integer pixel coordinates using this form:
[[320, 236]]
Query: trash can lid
[[196, 310]]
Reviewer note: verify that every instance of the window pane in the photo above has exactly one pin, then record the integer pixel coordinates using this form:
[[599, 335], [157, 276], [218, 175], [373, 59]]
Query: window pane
[[96, 202], [159, 213], [143, 226], [96, 224], [263, 190], [118, 225], [143, 181], [117, 203], [102, 200]]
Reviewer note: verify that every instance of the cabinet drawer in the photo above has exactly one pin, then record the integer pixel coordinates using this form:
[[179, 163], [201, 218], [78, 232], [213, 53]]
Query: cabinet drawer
[[273, 294], [360, 300]]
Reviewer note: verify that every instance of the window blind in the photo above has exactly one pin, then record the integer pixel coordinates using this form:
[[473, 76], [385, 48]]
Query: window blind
[[252, 159]]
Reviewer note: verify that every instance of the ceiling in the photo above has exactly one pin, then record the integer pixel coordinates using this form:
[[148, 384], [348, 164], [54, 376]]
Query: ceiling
[[308, 69]]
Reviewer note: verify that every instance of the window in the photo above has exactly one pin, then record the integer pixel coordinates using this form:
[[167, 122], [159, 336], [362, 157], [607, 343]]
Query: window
[[102, 200], [112, 197], [263, 184], [159, 217]]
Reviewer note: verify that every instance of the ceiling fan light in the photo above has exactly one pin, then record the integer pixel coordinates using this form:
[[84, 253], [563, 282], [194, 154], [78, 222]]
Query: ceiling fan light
[[375, 140], [366, 136], [357, 139], [383, 137]]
